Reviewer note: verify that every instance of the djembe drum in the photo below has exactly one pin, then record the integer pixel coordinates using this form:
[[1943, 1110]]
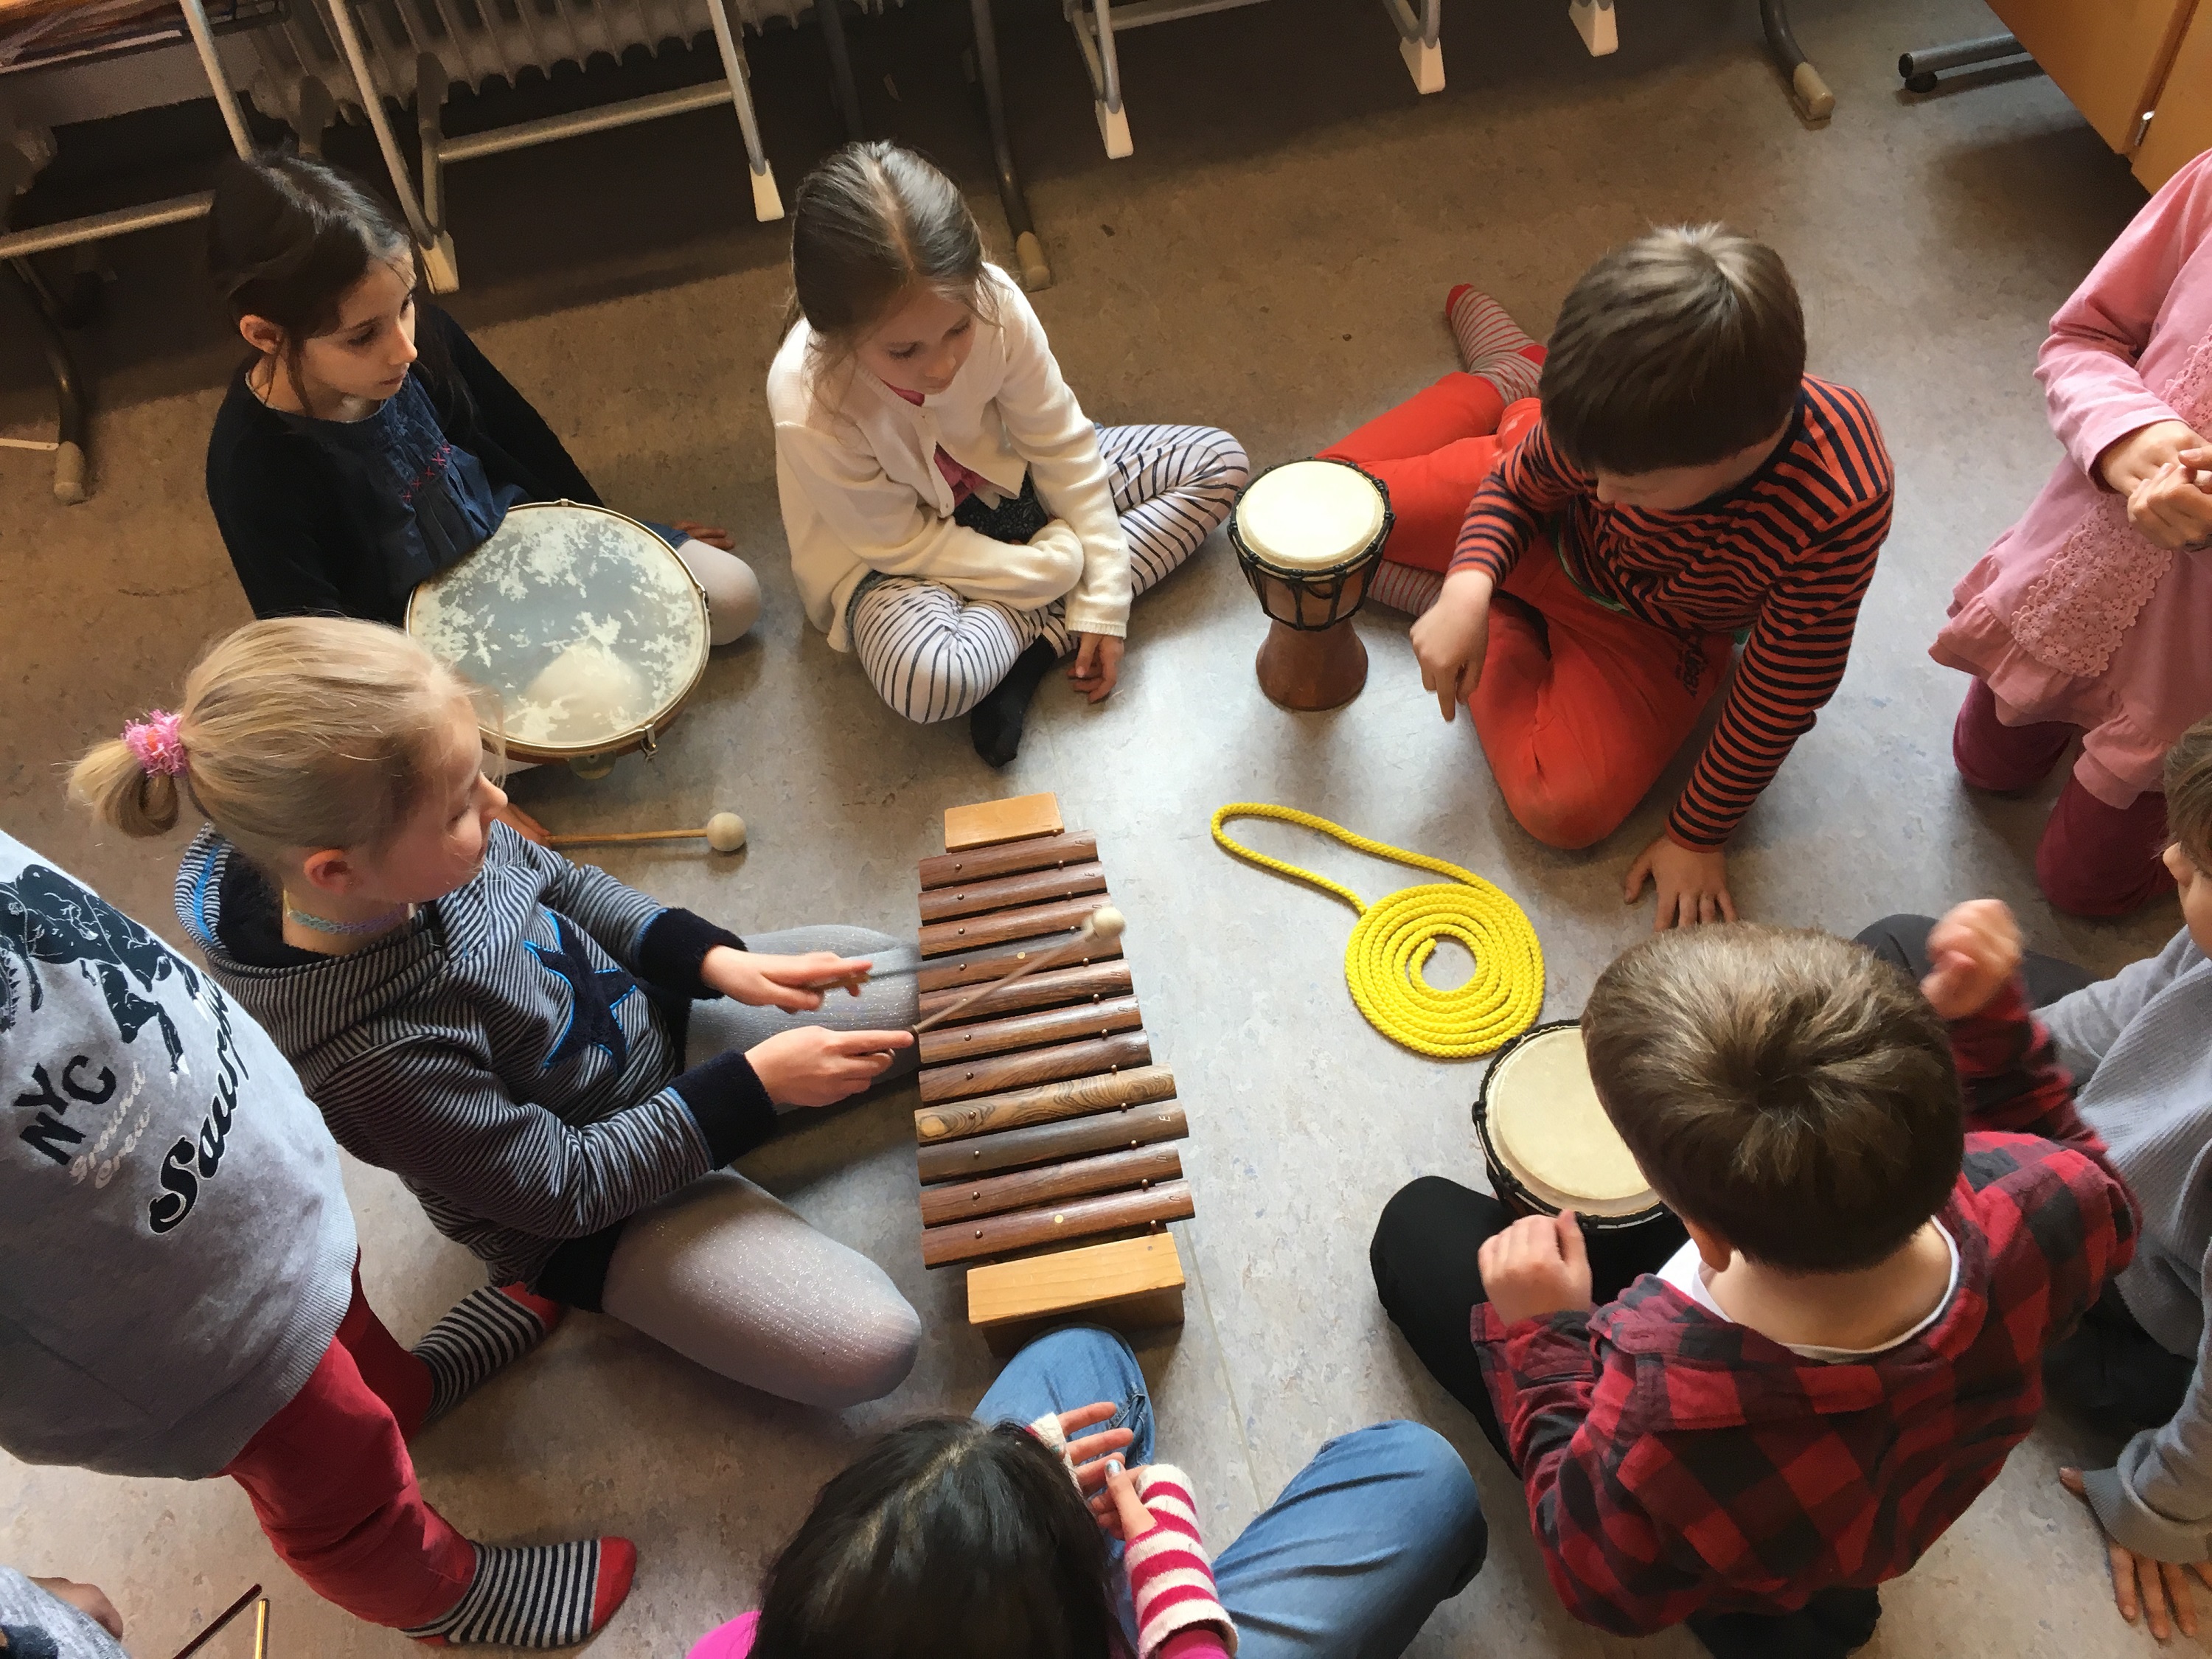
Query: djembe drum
[[1308, 534], [585, 624], [1548, 1147], [1042, 1141]]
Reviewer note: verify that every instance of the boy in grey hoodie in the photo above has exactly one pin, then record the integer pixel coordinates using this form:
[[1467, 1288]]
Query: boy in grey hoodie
[[2139, 1045], [191, 1305]]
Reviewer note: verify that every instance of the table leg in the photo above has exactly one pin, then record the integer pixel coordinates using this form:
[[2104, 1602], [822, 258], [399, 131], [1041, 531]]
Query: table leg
[[1029, 251]]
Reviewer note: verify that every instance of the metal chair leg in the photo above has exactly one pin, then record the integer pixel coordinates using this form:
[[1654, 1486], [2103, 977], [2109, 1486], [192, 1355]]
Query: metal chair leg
[[840, 67], [1029, 251], [71, 406], [1806, 89]]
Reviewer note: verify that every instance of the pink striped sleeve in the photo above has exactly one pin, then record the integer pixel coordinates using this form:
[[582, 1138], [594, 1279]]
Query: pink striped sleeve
[[1171, 1581]]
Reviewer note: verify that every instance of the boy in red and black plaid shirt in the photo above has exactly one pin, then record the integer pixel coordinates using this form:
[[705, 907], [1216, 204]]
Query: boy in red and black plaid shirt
[[1794, 1406]]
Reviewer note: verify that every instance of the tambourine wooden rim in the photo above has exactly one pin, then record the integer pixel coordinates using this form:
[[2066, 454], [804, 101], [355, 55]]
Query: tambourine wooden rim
[[1504, 1182], [1313, 576], [646, 735]]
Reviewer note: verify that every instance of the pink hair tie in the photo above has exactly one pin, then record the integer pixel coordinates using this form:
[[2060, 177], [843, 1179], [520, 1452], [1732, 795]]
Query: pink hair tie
[[156, 743]]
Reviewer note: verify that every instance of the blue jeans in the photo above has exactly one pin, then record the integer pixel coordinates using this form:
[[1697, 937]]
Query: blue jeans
[[1381, 1526]]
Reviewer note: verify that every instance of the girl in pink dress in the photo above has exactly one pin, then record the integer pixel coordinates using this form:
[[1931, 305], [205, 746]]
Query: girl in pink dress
[[2090, 615]]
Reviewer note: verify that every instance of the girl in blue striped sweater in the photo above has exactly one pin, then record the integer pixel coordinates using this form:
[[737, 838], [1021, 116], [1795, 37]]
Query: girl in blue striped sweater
[[558, 1067]]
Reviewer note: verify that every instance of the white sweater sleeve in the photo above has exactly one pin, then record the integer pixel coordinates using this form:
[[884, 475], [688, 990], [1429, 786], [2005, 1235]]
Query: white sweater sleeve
[[1050, 430], [884, 525], [2157, 1500], [2086, 1024]]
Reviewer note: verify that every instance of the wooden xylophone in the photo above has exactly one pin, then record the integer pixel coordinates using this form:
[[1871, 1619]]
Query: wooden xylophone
[[1044, 1130]]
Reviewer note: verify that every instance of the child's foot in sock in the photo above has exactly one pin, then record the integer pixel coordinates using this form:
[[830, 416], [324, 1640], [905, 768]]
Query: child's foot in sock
[[1491, 344], [485, 1332], [543, 1596], [995, 724]]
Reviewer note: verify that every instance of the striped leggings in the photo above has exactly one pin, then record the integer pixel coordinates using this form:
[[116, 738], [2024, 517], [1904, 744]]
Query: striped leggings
[[932, 655]]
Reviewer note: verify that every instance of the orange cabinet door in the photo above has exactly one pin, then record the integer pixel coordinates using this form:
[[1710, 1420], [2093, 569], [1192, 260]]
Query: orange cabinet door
[[2106, 55], [2183, 126]]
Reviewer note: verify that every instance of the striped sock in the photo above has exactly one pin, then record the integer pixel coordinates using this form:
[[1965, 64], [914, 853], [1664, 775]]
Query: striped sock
[[485, 1332], [540, 1595], [1491, 344]]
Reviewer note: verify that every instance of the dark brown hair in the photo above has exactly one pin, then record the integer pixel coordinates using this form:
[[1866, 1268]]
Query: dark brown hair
[[1786, 1089], [947, 1538], [1679, 348], [2189, 792], [288, 237], [870, 223]]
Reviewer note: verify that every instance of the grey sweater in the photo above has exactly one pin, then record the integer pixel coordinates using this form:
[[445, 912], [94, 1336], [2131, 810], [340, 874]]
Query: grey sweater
[[42, 1626], [178, 1245], [513, 1054], [2140, 1045]]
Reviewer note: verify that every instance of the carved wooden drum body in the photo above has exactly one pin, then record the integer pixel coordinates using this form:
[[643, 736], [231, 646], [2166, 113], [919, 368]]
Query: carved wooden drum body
[[1308, 535]]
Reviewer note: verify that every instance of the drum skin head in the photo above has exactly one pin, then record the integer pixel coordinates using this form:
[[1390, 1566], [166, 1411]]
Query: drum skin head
[[583, 622], [1310, 516], [1550, 1130]]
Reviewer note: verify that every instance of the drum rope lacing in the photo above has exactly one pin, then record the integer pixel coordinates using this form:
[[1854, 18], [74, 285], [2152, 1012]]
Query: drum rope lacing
[[1395, 936]]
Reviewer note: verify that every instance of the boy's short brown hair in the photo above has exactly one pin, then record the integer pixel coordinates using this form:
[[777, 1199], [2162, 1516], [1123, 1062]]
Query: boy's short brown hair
[[1786, 1089], [1679, 349], [2189, 792]]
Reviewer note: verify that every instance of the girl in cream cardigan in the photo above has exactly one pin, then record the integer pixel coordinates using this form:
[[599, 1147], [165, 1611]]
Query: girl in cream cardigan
[[955, 519]]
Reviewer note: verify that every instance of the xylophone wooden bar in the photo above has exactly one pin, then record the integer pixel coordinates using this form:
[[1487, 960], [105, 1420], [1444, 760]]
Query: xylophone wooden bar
[[962, 1201], [1047, 1102], [1079, 1137], [1042, 1144], [1049, 989]]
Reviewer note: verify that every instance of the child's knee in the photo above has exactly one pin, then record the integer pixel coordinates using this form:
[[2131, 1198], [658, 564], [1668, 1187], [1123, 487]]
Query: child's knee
[[1435, 1507], [875, 1355], [733, 594], [1569, 814]]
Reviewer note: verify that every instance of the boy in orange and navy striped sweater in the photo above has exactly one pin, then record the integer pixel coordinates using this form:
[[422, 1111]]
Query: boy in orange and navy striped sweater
[[1685, 485]]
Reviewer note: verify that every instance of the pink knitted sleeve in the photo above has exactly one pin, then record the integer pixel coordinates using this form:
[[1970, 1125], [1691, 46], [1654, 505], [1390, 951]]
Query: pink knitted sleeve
[[1170, 1579]]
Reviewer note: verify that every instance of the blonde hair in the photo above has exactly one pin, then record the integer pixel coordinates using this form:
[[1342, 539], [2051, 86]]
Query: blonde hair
[[299, 733]]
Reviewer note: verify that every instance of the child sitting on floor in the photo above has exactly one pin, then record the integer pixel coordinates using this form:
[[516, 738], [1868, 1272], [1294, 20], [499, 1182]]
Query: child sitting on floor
[[968, 1538], [2138, 1364], [541, 1052], [955, 518], [368, 443], [1794, 1407], [1683, 479]]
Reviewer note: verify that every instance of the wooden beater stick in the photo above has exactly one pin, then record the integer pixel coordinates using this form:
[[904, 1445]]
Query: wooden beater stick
[[725, 832], [220, 1620], [1103, 925]]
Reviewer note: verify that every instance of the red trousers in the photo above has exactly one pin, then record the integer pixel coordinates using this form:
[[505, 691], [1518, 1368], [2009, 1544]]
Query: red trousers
[[333, 1487], [1579, 708], [2094, 859]]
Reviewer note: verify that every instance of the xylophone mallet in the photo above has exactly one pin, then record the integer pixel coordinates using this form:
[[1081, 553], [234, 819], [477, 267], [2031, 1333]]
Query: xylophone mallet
[[725, 833], [1101, 927]]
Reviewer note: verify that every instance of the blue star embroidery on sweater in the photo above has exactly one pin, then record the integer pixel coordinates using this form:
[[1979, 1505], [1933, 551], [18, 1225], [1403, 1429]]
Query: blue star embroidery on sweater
[[594, 993]]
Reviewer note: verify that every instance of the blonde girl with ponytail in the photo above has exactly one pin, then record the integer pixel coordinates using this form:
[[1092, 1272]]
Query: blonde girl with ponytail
[[558, 1065]]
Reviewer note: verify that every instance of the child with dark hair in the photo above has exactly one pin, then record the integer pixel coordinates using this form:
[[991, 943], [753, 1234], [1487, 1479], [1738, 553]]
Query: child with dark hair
[[368, 443], [2139, 1365], [1894, 1214], [1583, 566], [955, 518], [981, 1539]]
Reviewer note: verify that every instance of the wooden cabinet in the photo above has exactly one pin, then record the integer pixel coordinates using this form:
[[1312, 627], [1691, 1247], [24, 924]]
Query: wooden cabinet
[[2121, 60], [2182, 128]]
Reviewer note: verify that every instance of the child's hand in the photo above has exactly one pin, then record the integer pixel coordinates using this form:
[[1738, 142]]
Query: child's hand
[[1538, 1265], [1091, 1456], [2128, 461], [1976, 950], [1120, 1513], [794, 984], [713, 534], [2169, 506], [1692, 882], [1450, 637], [813, 1065], [2141, 1583], [1097, 665]]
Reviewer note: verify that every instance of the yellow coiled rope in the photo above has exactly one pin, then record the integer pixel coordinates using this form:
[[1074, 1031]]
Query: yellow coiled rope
[[1395, 937]]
